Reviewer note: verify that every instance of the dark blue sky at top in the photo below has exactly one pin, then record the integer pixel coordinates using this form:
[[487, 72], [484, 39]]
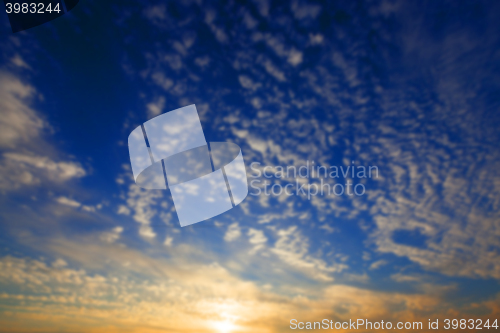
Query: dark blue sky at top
[[82, 60], [386, 71]]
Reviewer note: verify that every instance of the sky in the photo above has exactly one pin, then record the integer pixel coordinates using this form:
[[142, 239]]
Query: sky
[[412, 88]]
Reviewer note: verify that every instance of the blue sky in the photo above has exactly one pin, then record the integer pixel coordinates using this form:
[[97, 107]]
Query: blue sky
[[411, 88]]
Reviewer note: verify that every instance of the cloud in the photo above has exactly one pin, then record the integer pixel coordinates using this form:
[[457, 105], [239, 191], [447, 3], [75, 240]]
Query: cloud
[[156, 13], [377, 264], [19, 123], [292, 248], [316, 39], [273, 70], [59, 263], [305, 10], [257, 239], [202, 61], [293, 56], [179, 299], [68, 202], [380, 106], [57, 170], [22, 141], [233, 232], [168, 241], [263, 7], [19, 62], [247, 82], [155, 108], [18, 170], [123, 210], [161, 80], [141, 203], [112, 236], [219, 33]]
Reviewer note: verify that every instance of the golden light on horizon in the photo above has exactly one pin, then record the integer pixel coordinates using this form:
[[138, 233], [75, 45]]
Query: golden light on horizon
[[224, 326]]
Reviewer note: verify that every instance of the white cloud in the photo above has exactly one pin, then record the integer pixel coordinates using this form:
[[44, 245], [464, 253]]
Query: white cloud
[[219, 33], [233, 232], [123, 210], [155, 108], [257, 239], [142, 204], [21, 128], [247, 82], [112, 236], [202, 61], [274, 70], [19, 123], [377, 264], [17, 170], [294, 57], [329, 229], [68, 202], [293, 249], [90, 209], [305, 10], [316, 39], [168, 241], [18, 61], [57, 170], [59, 263], [161, 80], [156, 13]]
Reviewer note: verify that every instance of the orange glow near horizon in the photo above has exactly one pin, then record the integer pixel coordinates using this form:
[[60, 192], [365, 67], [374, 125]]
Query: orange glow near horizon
[[224, 326]]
